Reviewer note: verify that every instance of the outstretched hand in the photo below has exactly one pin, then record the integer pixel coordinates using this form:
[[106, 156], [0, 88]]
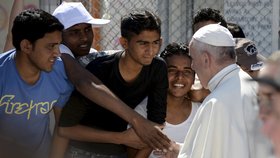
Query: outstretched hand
[[151, 134], [132, 140], [169, 154]]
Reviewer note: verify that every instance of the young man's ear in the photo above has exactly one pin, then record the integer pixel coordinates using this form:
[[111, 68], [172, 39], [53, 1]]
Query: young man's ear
[[25, 46], [124, 42]]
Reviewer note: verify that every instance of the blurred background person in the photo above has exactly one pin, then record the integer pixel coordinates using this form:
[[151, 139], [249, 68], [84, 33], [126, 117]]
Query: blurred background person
[[269, 100]]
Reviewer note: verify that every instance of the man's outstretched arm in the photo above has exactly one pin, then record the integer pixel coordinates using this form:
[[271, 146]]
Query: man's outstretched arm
[[92, 88]]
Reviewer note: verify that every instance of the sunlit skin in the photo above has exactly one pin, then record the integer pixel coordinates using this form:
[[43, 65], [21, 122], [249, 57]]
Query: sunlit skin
[[198, 65], [180, 78], [37, 57], [78, 38], [180, 75], [139, 51], [44, 52], [198, 95]]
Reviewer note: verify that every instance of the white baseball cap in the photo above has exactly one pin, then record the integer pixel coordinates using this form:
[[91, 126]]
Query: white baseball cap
[[215, 35], [72, 13]]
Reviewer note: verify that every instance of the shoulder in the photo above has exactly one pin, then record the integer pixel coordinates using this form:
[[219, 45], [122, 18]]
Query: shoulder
[[85, 60], [59, 69], [158, 60], [158, 65], [104, 59], [64, 49], [58, 78]]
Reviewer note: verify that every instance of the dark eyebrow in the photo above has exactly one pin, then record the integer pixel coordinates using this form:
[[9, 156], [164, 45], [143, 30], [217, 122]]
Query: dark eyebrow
[[171, 66], [147, 41]]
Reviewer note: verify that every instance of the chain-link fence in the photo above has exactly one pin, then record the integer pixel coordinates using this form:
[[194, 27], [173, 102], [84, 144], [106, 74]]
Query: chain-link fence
[[259, 19], [175, 16]]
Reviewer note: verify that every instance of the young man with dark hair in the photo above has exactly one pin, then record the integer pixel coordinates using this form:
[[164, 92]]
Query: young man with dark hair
[[206, 16], [33, 82], [132, 75]]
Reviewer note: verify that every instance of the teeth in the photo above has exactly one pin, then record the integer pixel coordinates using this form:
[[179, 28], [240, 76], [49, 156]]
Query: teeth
[[178, 85], [83, 46]]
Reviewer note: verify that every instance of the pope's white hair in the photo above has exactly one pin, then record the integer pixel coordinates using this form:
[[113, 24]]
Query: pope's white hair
[[220, 54]]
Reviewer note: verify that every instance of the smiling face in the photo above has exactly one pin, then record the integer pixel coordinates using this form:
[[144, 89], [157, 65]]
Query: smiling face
[[45, 51], [78, 38], [180, 75], [142, 48]]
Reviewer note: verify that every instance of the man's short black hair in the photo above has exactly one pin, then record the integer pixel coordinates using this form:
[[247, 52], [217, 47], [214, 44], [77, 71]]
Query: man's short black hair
[[139, 20], [206, 14], [33, 24]]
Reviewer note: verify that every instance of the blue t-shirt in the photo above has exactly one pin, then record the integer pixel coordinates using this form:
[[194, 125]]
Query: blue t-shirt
[[24, 108]]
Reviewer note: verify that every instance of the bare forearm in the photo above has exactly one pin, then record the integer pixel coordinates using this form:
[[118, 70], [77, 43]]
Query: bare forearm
[[88, 134], [92, 88], [59, 146]]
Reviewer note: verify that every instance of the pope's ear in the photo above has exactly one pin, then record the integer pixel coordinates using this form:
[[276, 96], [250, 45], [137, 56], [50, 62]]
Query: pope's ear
[[25, 46], [206, 58], [124, 42]]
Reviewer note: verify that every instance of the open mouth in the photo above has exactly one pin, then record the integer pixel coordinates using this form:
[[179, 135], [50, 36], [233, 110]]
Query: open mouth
[[84, 46], [178, 85]]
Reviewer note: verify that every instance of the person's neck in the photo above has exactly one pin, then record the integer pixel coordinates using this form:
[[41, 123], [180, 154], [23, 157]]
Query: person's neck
[[129, 62], [129, 68], [26, 70], [173, 101], [178, 109]]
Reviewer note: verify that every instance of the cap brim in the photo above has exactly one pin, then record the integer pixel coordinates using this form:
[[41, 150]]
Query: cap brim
[[267, 81], [98, 22]]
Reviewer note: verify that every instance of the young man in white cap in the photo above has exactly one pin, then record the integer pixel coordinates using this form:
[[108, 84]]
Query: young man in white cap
[[222, 127], [77, 38], [78, 35]]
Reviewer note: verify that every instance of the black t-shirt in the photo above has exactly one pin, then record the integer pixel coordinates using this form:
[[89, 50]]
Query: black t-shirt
[[152, 82]]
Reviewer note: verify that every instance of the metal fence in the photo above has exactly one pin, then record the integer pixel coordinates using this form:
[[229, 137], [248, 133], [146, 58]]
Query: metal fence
[[259, 19]]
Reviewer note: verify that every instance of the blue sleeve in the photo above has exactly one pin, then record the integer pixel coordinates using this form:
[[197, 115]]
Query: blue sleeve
[[64, 85]]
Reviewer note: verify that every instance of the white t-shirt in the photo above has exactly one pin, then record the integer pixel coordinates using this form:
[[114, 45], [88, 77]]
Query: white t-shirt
[[175, 133]]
